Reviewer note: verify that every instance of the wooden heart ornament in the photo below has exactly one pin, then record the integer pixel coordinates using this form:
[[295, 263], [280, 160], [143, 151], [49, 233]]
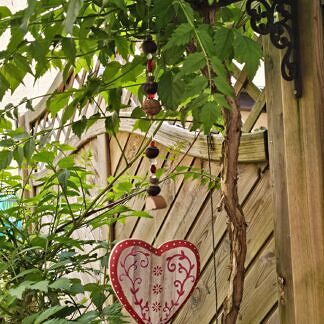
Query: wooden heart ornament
[[152, 283]]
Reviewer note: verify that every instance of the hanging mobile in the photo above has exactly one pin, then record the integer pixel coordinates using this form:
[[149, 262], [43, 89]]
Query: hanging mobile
[[153, 283], [151, 106]]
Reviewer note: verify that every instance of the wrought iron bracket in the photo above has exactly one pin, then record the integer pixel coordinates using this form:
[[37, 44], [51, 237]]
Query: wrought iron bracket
[[278, 18]]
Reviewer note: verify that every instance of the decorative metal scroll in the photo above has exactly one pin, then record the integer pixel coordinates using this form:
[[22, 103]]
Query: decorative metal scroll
[[278, 18]]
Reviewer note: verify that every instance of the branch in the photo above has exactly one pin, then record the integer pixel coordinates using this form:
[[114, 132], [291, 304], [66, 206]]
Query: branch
[[237, 224]]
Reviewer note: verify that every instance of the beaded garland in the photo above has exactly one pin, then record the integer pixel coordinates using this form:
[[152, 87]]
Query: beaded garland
[[151, 106]]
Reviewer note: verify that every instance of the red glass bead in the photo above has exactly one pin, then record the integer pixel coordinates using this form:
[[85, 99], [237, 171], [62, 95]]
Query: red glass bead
[[153, 143], [153, 168], [150, 65], [151, 96]]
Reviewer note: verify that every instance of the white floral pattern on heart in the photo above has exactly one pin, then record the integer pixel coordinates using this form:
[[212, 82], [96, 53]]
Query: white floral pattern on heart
[[152, 283]]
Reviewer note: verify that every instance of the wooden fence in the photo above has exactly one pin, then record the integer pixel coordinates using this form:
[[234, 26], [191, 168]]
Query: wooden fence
[[188, 214]]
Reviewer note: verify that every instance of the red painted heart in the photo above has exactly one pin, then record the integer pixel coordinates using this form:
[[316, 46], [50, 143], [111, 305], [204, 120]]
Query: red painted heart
[[152, 283]]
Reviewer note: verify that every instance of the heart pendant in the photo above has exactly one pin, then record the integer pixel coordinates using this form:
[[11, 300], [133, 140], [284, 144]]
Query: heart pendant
[[153, 284]]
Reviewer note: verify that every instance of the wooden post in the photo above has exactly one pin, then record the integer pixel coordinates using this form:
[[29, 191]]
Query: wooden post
[[296, 141]]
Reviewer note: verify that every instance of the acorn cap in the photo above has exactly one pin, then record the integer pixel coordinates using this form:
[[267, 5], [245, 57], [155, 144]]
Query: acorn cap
[[151, 106]]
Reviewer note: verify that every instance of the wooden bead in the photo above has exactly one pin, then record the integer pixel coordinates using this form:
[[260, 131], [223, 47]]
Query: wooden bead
[[153, 190], [152, 152], [155, 202], [151, 106], [149, 46], [154, 180], [153, 168], [150, 87]]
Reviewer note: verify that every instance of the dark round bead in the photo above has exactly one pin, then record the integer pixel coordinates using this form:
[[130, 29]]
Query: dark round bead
[[153, 168], [153, 190], [149, 46], [152, 152], [154, 180], [150, 87]]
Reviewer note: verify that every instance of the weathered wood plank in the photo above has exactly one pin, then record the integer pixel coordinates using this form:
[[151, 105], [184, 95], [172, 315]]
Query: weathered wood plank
[[190, 199], [201, 306], [278, 179], [252, 148], [304, 173], [200, 233], [274, 318], [147, 229], [260, 288], [254, 113], [116, 144], [241, 76]]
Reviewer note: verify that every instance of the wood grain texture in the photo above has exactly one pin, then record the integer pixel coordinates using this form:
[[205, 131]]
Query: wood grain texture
[[278, 180], [301, 150], [201, 306]]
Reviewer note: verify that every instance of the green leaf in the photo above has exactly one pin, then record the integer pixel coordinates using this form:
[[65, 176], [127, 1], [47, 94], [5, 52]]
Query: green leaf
[[5, 159], [66, 162], [196, 86], [5, 124], [61, 284], [142, 124], [41, 286], [193, 62], [46, 157], [223, 86], [223, 38], [4, 85], [170, 90], [221, 100], [13, 75], [111, 71], [57, 102], [79, 126], [69, 49], [72, 14], [122, 46], [119, 4], [123, 187], [204, 33], [29, 148], [218, 67], [8, 142], [48, 313], [4, 12], [28, 12], [63, 177], [181, 36], [39, 241], [112, 124], [18, 155], [69, 111], [249, 52], [209, 115], [18, 291]]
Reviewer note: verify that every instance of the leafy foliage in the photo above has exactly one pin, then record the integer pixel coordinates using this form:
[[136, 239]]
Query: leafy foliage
[[70, 35]]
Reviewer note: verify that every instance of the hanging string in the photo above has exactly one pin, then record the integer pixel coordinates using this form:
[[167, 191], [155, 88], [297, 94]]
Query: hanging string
[[148, 3], [209, 145]]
